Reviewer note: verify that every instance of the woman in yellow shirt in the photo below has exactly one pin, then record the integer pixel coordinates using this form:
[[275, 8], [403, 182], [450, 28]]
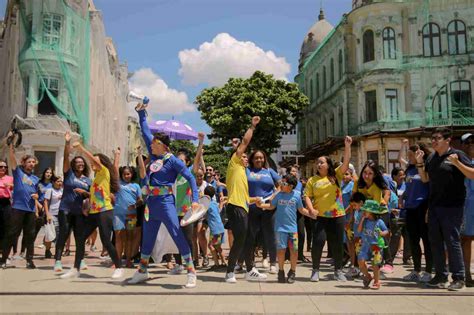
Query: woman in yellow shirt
[[323, 195]]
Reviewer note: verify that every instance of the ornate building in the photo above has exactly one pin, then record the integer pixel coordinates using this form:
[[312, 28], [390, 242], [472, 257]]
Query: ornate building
[[388, 70]]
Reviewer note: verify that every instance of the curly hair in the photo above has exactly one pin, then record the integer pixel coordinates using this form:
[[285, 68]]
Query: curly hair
[[86, 171]]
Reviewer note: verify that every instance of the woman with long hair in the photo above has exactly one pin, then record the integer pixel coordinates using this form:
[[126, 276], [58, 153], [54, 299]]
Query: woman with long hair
[[323, 195], [52, 199]]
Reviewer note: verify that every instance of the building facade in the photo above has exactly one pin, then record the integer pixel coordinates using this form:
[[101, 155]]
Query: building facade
[[60, 72], [388, 70]]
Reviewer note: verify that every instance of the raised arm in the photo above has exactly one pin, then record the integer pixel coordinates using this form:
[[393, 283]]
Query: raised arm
[[94, 159], [347, 154], [466, 170], [146, 132], [11, 157], [67, 150], [402, 154], [116, 159], [141, 163], [191, 180], [198, 157], [248, 136], [420, 165]]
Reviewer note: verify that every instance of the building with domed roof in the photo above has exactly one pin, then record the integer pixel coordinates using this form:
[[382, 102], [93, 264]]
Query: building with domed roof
[[388, 70]]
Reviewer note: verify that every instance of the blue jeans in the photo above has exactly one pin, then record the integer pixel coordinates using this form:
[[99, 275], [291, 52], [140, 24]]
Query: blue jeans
[[444, 225]]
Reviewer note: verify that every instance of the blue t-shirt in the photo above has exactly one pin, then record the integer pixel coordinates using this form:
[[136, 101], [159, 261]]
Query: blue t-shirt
[[42, 188], [72, 201], [261, 181], [357, 217], [369, 232], [24, 185], [299, 187], [391, 184], [347, 193], [214, 220], [287, 204], [128, 195], [415, 190]]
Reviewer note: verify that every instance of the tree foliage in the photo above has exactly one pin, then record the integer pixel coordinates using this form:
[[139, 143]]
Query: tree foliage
[[217, 157], [228, 110]]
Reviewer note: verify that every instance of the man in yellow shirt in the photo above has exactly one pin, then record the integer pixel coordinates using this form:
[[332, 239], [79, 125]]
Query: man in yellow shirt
[[237, 206]]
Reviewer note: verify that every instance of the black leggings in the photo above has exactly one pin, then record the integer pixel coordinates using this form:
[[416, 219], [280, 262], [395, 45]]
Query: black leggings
[[17, 221], [5, 212], [238, 223], [188, 235], [103, 220], [387, 254], [259, 220], [301, 234], [417, 229], [39, 223], [68, 221], [333, 230]]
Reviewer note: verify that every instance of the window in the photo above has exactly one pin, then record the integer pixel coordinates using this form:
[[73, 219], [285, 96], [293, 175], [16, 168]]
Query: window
[[311, 95], [325, 129], [340, 65], [440, 104], [389, 45], [317, 85], [373, 155], [457, 38], [461, 99], [51, 30], [391, 103], [392, 161], [431, 40], [46, 106], [368, 45], [311, 136], [324, 80], [341, 120], [332, 72], [45, 159], [332, 129], [371, 106]]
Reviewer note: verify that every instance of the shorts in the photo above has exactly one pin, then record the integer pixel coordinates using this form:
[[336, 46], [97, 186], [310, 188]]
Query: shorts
[[216, 240], [287, 240], [467, 226], [119, 221], [371, 252], [131, 222]]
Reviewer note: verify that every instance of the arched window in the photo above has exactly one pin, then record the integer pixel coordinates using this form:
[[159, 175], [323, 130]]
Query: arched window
[[461, 99], [332, 72], [317, 86], [341, 120], [332, 129], [324, 80], [389, 45], [440, 104], [368, 45], [431, 40], [457, 39], [340, 65], [311, 96]]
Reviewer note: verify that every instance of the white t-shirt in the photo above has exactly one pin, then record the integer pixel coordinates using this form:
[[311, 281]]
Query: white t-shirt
[[54, 196]]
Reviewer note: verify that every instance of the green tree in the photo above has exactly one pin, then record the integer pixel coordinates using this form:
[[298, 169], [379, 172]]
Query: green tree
[[175, 145], [228, 110], [217, 157]]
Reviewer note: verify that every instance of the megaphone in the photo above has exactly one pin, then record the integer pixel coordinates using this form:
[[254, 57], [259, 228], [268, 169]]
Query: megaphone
[[134, 97]]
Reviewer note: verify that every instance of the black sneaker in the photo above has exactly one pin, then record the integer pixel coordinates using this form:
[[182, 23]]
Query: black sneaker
[[205, 261], [291, 276], [30, 265], [469, 283], [456, 285], [281, 276], [48, 254], [439, 282]]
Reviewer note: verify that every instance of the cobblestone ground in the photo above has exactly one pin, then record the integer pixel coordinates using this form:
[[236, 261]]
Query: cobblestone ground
[[42, 291]]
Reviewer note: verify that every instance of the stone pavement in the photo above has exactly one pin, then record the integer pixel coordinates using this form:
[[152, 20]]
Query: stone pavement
[[42, 291]]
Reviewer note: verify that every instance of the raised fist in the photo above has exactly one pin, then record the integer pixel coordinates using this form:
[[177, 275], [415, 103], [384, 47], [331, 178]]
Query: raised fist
[[255, 120]]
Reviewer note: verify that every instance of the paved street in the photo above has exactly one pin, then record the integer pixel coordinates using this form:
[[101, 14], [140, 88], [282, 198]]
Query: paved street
[[41, 290]]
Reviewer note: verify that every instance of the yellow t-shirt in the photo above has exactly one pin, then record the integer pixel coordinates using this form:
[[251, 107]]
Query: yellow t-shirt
[[373, 192], [326, 196], [100, 192], [237, 184]]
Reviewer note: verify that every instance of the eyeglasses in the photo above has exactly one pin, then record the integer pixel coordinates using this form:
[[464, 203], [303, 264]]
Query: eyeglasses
[[3, 166], [437, 138], [209, 170], [285, 184]]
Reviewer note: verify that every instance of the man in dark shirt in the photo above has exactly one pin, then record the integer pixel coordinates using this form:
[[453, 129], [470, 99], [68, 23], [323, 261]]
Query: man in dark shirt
[[445, 170]]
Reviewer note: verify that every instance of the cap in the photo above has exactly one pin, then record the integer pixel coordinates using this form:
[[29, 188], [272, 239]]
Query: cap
[[466, 136]]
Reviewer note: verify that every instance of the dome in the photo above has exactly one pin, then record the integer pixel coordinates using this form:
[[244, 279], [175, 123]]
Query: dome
[[314, 37]]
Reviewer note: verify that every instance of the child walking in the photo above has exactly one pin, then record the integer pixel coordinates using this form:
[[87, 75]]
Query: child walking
[[216, 227], [287, 202], [353, 215], [372, 230]]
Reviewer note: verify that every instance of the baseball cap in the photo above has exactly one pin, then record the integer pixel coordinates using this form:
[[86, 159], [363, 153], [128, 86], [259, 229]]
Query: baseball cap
[[466, 136]]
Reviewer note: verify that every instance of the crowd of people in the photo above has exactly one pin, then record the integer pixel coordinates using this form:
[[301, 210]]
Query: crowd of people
[[367, 219]]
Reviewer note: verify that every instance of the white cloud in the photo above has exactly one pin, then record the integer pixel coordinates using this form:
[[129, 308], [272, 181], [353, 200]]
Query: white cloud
[[163, 99], [225, 57]]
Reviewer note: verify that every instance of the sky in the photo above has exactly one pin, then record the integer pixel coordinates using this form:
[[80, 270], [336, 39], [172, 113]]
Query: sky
[[176, 48]]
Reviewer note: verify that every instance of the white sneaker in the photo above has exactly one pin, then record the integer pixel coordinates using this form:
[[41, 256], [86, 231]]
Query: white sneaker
[[265, 263], [58, 266], [138, 277], [177, 270], [191, 281], [230, 277], [412, 277], [238, 268], [118, 273], [83, 265], [72, 273], [254, 275], [425, 277], [273, 270], [314, 275]]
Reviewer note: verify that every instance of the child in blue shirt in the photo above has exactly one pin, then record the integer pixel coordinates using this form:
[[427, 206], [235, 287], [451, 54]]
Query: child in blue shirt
[[353, 215], [287, 202], [216, 228], [372, 230]]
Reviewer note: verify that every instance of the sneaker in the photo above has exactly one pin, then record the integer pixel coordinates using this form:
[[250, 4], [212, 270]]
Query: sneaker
[[387, 269], [408, 262], [265, 263], [425, 277], [177, 270], [72, 273], [339, 275], [40, 246], [281, 276], [58, 266], [382, 276], [291, 276], [83, 265], [230, 277], [104, 257], [469, 283], [438, 282], [196, 263], [48, 254], [273, 270], [238, 268], [412, 277], [118, 273], [205, 261], [254, 275], [138, 277], [457, 285], [314, 275], [399, 254], [191, 280], [353, 272], [4, 265], [30, 264]]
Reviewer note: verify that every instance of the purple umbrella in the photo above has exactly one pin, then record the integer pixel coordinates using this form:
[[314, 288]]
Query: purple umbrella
[[175, 129]]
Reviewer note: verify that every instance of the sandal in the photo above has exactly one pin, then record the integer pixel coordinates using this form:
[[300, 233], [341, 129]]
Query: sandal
[[375, 286]]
